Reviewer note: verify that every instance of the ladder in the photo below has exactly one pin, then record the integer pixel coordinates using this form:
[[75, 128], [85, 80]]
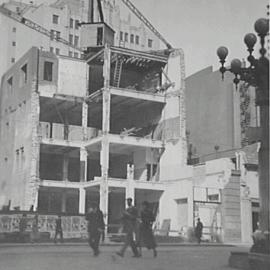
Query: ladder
[[146, 22], [117, 72], [14, 16]]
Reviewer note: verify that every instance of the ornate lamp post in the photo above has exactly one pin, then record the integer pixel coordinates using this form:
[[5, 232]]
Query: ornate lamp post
[[257, 75]]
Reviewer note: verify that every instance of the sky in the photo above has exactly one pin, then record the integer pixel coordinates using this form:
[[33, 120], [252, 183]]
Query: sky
[[199, 27]]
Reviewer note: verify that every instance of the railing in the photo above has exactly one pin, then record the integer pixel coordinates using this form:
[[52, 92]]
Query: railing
[[62, 132]]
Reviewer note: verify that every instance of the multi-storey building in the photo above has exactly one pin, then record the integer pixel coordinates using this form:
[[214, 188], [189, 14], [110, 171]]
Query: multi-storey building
[[62, 19], [233, 121]]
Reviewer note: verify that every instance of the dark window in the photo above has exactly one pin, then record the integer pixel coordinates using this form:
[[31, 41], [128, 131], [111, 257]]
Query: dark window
[[137, 40], [76, 24], [12, 60], [51, 49], [131, 38], [121, 36], [70, 53], [70, 38], [14, 29], [57, 51], [126, 37], [71, 23], [76, 40], [13, 43], [150, 43], [151, 171], [55, 19], [24, 74], [76, 55], [52, 34], [10, 83], [99, 36], [57, 34], [48, 69]]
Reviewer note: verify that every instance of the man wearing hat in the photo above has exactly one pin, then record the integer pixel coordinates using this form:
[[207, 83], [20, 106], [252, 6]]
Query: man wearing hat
[[130, 224], [96, 226]]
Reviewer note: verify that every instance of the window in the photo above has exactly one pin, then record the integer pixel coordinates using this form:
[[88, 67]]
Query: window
[[131, 38], [14, 29], [137, 40], [121, 36], [71, 23], [70, 39], [24, 74], [99, 36], [57, 34], [51, 49], [70, 53], [76, 55], [52, 34], [76, 24], [150, 43], [48, 69], [12, 60], [55, 19], [13, 43], [57, 51], [10, 83], [151, 171], [76, 40], [126, 37]]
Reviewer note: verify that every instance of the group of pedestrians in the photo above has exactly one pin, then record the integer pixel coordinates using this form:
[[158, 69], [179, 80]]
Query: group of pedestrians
[[138, 230]]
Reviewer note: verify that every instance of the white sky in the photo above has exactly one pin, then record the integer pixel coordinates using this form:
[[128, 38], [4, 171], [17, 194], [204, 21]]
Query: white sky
[[201, 26]]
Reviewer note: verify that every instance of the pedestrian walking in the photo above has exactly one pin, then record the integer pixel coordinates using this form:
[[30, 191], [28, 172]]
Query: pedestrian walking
[[129, 220], [22, 227], [58, 229], [34, 233], [95, 227], [146, 236], [198, 230]]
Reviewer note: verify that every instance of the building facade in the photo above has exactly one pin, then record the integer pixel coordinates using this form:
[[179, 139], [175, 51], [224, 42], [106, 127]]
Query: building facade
[[232, 121]]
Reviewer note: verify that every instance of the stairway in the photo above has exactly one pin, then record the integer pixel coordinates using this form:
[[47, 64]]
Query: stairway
[[117, 72]]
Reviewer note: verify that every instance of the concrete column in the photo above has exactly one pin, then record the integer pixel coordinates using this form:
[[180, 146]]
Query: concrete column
[[63, 202], [84, 120], [106, 102], [83, 164], [104, 189], [82, 198], [65, 167], [246, 216], [130, 190]]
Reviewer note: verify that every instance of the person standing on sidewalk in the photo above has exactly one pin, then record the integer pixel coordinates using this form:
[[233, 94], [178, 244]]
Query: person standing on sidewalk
[[130, 228], [58, 229], [146, 237], [96, 227], [198, 230]]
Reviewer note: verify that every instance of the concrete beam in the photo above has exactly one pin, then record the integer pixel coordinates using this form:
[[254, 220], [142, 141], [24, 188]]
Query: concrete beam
[[124, 92]]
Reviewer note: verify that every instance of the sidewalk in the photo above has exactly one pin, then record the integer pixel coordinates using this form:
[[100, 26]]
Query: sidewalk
[[3, 245]]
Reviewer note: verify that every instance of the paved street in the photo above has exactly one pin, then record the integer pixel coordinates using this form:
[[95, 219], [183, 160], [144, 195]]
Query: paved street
[[80, 258]]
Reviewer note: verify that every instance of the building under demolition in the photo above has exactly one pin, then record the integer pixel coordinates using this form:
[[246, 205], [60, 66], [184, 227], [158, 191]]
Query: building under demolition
[[107, 127]]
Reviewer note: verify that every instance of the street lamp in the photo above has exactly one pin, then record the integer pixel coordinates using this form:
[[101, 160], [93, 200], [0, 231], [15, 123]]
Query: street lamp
[[257, 75]]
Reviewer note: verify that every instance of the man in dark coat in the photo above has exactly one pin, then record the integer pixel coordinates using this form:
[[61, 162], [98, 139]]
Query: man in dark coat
[[146, 237], [130, 227], [95, 227], [198, 230], [58, 229]]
